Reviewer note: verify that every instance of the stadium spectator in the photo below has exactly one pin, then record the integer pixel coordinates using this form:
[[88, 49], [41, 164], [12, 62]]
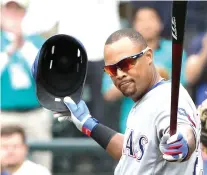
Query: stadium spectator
[[147, 21], [164, 9], [196, 68], [14, 150], [202, 110], [19, 104], [195, 17]]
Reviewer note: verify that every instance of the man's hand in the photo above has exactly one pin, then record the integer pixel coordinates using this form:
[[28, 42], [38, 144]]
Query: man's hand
[[80, 116], [174, 148], [16, 44]]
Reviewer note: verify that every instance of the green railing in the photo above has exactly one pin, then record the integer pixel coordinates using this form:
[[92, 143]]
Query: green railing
[[63, 145], [76, 146]]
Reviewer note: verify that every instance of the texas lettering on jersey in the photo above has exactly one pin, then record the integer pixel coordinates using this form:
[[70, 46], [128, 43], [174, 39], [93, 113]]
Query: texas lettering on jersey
[[134, 146]]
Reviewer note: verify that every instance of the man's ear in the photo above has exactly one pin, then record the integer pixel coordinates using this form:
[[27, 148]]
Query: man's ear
[[149, 56]]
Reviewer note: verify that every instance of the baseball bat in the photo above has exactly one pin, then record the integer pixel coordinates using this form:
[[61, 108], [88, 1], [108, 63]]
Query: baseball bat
[[179, 9]]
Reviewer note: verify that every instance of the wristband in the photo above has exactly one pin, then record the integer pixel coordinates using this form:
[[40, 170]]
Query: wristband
[[89, 125], [102, 135]]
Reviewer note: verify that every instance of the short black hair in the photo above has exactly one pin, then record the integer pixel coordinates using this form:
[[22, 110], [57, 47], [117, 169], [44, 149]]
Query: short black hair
[[8, 130], [129, 33]]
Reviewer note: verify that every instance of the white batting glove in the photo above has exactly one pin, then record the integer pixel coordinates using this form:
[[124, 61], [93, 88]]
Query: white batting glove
[[174, 148], [80, 116]]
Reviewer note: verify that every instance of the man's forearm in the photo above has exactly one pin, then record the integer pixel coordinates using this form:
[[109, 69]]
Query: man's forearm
[[190, 137], [115, 146], [108, 139]]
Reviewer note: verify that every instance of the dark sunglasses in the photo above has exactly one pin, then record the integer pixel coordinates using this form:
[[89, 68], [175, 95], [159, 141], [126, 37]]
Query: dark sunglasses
[[125, 64]]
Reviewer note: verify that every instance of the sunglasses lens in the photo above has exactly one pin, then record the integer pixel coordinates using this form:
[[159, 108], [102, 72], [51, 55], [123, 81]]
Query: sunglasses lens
[[111, 70], [126, 64]]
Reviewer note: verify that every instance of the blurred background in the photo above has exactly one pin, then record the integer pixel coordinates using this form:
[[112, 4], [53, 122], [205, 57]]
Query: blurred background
[[59, 147]]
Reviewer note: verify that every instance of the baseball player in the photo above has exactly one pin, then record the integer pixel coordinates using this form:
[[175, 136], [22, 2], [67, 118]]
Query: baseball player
[[146, 148]]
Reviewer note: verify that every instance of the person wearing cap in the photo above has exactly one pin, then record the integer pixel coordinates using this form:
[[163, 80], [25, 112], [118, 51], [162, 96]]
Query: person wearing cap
[[19, 104]]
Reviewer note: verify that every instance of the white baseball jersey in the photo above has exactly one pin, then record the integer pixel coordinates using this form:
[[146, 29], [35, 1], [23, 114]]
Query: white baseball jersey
[[148, 120], [31, 168]]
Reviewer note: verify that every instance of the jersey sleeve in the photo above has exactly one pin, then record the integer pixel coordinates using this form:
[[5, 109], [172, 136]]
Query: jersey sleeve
[[163, 121], [186, 115]]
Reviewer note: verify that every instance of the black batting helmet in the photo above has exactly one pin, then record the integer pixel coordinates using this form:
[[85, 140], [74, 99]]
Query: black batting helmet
[[60, 70]]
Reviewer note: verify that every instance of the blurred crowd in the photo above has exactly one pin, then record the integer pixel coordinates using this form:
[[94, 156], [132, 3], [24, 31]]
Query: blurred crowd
[[26, 24]]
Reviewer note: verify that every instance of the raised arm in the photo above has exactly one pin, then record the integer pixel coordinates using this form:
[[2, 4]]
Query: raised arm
[[181, 145], [107, 138]]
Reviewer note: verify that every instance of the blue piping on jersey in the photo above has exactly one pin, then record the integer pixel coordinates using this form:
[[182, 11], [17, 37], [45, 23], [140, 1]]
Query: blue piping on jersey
[[163, 81]]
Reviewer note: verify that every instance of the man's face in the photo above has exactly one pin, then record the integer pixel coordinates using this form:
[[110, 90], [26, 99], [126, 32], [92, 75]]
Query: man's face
[[13, 150], [134, 82], [12, 16], [147, 23]]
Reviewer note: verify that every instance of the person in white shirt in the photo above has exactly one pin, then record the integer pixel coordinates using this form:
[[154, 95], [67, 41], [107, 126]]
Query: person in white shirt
[[14, 151], [146, 147]]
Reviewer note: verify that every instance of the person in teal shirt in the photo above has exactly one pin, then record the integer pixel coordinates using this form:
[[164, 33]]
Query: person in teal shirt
[[18, 87], [19, 103], [148, 22]]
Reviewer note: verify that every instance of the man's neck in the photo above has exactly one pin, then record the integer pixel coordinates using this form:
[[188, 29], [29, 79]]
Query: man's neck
[[156, 78], [153, 43]]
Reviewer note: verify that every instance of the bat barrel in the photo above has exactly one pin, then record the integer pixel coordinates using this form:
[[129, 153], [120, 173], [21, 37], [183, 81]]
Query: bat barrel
[[178, 27]]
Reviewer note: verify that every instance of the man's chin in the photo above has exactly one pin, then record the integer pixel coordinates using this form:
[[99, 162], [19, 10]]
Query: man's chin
[[132, 94], [128, 94]]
